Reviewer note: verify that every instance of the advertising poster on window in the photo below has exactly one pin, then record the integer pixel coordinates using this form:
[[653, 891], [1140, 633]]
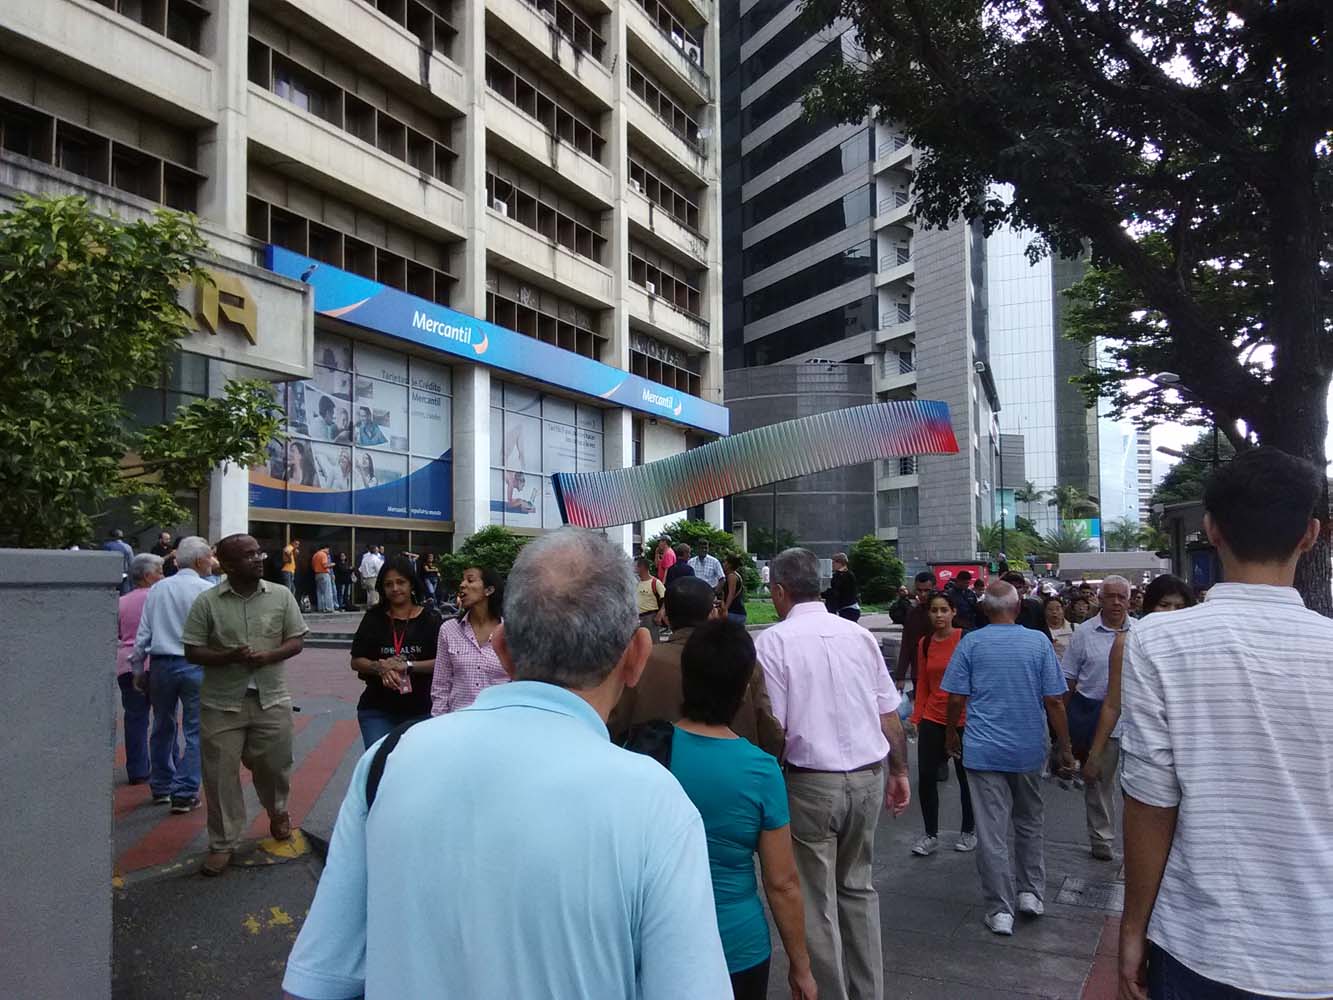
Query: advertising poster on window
[[379, 481], [559, 454], [430, 489], [428, 423], [381, 415]]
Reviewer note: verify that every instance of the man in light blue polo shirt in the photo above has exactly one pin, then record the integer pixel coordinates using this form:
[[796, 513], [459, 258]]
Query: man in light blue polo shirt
[[1007, 679], [511, 850]]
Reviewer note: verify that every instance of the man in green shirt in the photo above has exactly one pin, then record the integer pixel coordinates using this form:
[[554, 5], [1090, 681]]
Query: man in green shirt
[[241, 632]]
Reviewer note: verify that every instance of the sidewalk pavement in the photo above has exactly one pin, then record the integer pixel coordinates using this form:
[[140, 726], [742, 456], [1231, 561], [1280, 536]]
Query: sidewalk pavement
[[180, 935]]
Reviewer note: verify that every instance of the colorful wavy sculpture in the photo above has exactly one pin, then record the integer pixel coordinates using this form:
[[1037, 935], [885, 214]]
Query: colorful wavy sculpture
[[755, 458]]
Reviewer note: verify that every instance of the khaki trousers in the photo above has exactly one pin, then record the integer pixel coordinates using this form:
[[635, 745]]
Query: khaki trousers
[[833, 820], [1099, 797], [261, 739]]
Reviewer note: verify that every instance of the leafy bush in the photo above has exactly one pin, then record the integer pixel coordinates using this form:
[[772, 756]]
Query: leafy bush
[[720, 544], [493, 547], [879, 572]]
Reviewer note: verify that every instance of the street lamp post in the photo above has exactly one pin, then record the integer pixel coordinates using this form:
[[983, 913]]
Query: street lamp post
[[1170, 380]]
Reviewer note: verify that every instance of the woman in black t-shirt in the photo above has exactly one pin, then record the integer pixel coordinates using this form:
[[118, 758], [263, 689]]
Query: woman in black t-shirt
[[394, 652]]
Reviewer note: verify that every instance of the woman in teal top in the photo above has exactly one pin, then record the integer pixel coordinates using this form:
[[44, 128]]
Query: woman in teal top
[[739, 792]]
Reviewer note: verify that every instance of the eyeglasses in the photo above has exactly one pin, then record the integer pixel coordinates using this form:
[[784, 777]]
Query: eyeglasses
[[258, 556]]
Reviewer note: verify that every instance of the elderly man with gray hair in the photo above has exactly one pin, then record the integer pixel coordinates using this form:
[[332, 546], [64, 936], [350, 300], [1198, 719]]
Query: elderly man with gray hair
[[1087, 669], [832, 694], [535, 858], [174, 774], [1008, 681], [145, 570]]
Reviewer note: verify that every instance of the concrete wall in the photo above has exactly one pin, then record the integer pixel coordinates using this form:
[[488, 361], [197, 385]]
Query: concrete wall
[[827, 511], [58, 610]]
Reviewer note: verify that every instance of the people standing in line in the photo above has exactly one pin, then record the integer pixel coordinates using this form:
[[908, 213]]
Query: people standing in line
[[466, 661], [651, 593], [145, 570], [1006, 680], [115, 542], [342, 579], [242, 632], [290, 553], [1165, 593], [965, 602], [739, 792], [916, 625], [842, 597], [705, 566], [1061, 630], [322, 567], [839, 710], [369, 570], [1228, 802], [429, 571], [733, 590], [1031, 614], [658, 693], [176, 677], [681, 567], [583, 828], [394, 652], [1086, 667], [664, 557], [930, 714], [166, 549]]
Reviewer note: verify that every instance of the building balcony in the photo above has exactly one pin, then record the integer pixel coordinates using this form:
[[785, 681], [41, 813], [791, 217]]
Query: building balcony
[[657, 226], [895, 212], [520, 26], [891, 330], [669, 54], [689, 333], [330, 158], [890, 271], [655, 131], [371, 32], [530, 254], [886, 533], [897, 474], [893, 380], [526, 138], [107, 51], [894, 153]]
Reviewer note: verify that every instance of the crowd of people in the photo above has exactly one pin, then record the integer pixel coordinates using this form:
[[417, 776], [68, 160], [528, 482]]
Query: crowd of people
[[626, 867]]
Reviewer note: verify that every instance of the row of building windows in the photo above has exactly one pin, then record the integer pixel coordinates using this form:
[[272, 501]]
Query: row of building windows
[[825, 221], [537, 314], [536, 100], [674, 28], [664, 194], [789, 89], [180, 20], [665, 279], [309, 91], [518, 196], [578, 30], [39, 136], [772, 53], [429, 20], [902, 508], [661, 104], [759, 15], [825, 168], [783, 144], [662, 363], [826, 328], [833, 272]]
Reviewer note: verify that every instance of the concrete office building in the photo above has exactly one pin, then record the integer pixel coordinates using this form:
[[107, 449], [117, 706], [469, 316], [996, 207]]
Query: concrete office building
[[1146, 481], [822, 261], [477, 241]]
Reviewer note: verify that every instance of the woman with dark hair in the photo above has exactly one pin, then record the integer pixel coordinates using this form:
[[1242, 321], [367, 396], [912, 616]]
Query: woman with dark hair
[[394, 652], [733, 589], [300, 464], [930, 712], [465, 660], [739, 792], [1061, 630], [429, 573], [1165, 593]]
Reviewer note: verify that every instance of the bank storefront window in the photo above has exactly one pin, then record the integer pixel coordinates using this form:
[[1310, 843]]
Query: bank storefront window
[[534, 436], [369, 434]]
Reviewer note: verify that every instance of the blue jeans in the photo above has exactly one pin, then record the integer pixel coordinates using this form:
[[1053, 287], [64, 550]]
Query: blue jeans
[[175, 772], [324, 591], [1168, 979], [736, 616], [135, 705], [344, 596], [375, 724], [289, 581]]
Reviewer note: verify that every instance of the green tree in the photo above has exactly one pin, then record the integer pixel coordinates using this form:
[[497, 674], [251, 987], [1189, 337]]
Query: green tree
[[1029, 494], [1072, 503], [1124, 534], [1066, 538], [493, 547], [1182, 144], [1016, 544], [762, 543], [1185, 480], [720, 543], [878, 570], [89, 310]]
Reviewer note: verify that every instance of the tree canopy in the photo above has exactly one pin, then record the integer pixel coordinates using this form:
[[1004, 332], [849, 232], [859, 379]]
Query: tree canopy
[[1185, 480], [88, 311], [1183, 144]]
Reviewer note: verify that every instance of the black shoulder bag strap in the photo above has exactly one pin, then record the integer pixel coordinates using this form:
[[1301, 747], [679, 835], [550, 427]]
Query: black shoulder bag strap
[[381, 758]]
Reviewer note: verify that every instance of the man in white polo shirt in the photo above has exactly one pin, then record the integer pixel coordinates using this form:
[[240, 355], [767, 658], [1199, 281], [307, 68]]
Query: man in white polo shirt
[[1226, 750]]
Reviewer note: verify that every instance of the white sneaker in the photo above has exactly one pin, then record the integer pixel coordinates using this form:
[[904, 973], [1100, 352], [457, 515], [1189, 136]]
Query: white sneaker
[[1031, 904], [1001, 923], [926, 846], [966, 842]]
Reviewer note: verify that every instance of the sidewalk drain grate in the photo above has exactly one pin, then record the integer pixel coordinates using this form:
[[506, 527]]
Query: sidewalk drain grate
[[1092, 895]]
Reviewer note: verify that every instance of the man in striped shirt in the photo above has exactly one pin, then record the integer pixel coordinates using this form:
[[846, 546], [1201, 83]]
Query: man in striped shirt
[[1226, 750]]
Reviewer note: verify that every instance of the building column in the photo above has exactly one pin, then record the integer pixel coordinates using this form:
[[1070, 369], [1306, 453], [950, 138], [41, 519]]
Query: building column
[[618, 453], [223, 148], [471, 450], [469, 294], [229, 485]]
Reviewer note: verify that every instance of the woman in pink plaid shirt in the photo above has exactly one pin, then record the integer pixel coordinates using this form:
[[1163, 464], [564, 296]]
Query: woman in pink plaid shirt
[[465, 661]]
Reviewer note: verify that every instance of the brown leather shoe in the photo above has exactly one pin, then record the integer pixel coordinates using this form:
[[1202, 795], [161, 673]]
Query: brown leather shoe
[[216, 863], [280, 826]]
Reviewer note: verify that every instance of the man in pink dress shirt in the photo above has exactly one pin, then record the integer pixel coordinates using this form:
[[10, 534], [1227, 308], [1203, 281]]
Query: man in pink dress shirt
[[145, 570], [832, 693]]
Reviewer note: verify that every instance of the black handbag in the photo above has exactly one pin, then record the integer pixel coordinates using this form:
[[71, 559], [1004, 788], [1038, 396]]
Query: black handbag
[[652, 739]]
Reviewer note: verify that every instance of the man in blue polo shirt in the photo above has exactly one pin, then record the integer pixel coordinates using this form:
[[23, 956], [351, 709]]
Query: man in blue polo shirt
[[1007, 679], [511, 850]]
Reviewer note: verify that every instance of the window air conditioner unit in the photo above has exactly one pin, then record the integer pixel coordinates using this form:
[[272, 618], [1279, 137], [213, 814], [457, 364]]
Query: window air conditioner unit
[[677, 40], [694, 53], [634, 183], [501, 206], [652, 289]]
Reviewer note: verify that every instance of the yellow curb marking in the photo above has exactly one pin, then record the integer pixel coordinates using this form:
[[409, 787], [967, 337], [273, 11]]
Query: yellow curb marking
[[294, 847], [279, 917], [250, 923]]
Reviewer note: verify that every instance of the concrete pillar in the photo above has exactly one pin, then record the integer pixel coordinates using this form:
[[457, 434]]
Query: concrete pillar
[[616, 351], [55, 912], [223, 148], [618, 453], [229, 485], [713, 514], [471, 450], [469, 294]]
